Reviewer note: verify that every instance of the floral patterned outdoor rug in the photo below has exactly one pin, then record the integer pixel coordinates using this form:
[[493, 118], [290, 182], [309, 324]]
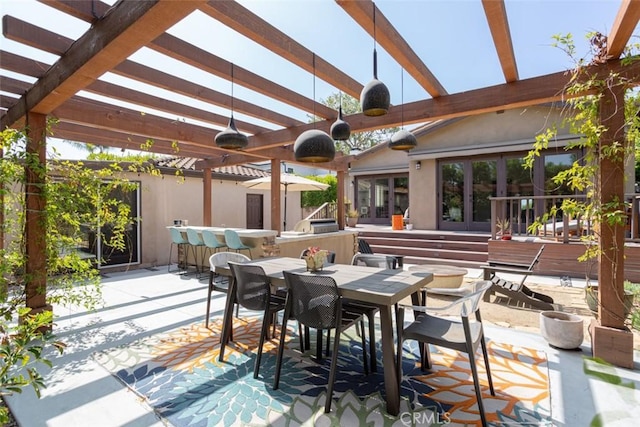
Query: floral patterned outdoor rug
[[179, 376]]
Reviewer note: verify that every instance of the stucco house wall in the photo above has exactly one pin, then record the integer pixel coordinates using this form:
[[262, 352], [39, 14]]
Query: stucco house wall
[[165, 198], [483, 134]]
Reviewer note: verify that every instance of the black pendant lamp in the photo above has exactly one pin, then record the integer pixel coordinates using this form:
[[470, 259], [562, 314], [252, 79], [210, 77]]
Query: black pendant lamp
[[375, 98], [340, 130], [403, 139], [314, 146], [231, 138]]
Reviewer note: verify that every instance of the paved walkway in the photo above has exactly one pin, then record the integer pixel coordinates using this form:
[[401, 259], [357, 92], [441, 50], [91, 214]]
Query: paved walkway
[[145, 302]]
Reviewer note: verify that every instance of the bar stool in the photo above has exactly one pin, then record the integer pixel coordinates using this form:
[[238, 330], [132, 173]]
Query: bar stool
[[195, 241], [180, 242], [211, 242], [233, 242]]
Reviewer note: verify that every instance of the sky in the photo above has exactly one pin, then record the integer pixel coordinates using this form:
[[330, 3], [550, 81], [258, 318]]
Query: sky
[[451, 37]]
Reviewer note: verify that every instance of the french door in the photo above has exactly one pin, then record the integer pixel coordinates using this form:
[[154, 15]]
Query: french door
[[377, 198], [465, 188]]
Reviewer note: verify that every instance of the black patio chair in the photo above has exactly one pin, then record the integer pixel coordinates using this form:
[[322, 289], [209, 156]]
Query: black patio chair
[[253, 292], [315, 302], [369, 310], [457, 334]]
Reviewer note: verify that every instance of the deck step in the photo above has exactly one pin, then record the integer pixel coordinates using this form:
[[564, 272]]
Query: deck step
[[460, 249]]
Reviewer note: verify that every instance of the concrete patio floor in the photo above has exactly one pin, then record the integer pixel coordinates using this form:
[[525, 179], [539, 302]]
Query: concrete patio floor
[[141, 303]]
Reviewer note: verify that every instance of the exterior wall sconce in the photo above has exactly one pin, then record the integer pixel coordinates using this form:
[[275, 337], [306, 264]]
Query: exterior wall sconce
[[418, 165]]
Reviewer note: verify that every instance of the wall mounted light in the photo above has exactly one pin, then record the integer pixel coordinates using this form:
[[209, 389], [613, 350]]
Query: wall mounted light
[[418, 165]]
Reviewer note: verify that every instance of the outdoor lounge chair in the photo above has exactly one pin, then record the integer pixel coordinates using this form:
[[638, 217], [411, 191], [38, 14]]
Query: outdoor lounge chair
[[514, 291]]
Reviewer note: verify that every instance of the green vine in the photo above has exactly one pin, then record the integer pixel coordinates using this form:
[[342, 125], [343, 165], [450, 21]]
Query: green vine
[[581, 115]]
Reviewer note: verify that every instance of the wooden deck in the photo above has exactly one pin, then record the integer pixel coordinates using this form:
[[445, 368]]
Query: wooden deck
[[559, 258]]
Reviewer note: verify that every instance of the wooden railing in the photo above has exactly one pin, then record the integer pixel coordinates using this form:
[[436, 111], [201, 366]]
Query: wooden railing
[[326, 210], [522, 211]]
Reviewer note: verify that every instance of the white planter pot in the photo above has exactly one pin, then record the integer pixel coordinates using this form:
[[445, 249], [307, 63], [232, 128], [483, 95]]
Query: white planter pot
[[562, 330]]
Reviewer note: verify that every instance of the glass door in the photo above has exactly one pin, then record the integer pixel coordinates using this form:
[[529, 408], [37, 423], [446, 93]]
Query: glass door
[[484, 180], [452, 191], [381, 200], [380, 197], [465, 188]]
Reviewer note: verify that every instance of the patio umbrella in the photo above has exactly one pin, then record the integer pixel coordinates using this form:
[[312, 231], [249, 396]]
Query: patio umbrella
[[288, 182]]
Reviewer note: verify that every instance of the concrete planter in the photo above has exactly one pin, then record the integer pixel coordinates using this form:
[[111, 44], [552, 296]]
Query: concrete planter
[[562, 330]]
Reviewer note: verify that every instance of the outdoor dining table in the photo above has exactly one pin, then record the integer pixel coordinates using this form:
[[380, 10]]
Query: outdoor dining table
[[381, 287]]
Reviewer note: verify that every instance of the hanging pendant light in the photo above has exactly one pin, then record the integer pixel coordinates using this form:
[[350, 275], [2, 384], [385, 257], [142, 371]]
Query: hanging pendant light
[[231, 138], [314, 146], [340, 130], [402, 139], [375, 98]]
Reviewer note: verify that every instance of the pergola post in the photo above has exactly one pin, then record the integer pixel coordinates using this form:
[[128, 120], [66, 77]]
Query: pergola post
[[1, 208], [206, 197], [340, 202], [611, 341], [35, 219], [276, 213]]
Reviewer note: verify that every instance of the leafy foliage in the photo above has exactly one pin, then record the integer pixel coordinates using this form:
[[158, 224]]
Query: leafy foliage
[[358, 140], [77, 199], [583, 118], [317, 198]]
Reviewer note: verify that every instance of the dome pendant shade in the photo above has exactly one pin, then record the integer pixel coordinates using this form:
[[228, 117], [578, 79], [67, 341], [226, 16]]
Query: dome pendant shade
[[402, 140], [231, 138], [314, 146], [375, 98], [340, 130]]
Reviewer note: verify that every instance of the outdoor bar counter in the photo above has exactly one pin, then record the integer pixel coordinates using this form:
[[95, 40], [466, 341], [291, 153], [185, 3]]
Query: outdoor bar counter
[[344, 243], [266, 243]]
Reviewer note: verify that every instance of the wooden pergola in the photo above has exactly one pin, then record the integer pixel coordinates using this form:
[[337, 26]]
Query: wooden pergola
[[119, 31]]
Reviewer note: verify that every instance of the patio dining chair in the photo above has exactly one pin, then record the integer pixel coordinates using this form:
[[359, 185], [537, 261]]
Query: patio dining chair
[[460, 334], [363, 308], [315, 302], [179, 242], [220, 283], [305, 339], [232, 240], [253, 292]]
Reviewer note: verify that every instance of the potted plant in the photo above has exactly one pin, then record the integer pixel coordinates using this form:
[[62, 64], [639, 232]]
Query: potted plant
[[591, 297], [352, 217], [315, 258], [504, 228]]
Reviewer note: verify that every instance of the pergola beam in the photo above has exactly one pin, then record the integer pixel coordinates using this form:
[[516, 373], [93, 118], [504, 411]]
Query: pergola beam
[[194, 56], [39, 38], [496, 14], [250, 25], [389, 38], [112, 39], [623, 27]]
